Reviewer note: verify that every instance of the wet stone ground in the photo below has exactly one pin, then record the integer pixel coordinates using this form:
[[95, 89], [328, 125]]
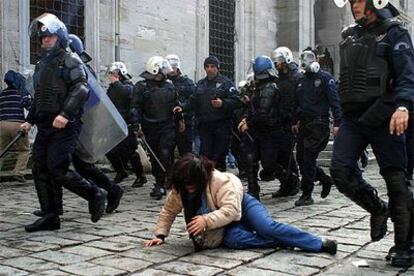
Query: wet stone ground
[[114, 245]]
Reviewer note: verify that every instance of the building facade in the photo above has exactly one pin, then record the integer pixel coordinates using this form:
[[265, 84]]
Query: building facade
[[133, 30]]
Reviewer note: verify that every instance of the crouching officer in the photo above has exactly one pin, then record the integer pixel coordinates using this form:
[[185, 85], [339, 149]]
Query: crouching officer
[[376, 89], [155, 98], [60, 93], [316, 95]]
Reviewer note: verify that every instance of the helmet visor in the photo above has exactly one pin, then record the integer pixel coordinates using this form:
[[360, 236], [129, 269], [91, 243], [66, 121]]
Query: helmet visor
[[46, 23]]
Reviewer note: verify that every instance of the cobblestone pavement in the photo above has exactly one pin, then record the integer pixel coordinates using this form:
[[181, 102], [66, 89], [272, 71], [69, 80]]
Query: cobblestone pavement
[[114, 245]]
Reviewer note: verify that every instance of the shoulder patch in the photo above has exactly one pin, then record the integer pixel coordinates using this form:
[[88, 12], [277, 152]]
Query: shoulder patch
[[331, 82], [401, 46]]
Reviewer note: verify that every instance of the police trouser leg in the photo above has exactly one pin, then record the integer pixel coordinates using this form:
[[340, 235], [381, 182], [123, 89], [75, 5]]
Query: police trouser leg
[[365, 196], [252, 169]]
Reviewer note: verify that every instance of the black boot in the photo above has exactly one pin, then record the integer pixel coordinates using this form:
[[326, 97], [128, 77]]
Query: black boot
[[97, 205], [157, 192], [254, 189], [48, 223], [329, 246], [139, 182], [365, 196], [304, 200], [114, 198], [288, 186], [120, 176], [326, 183], [401, 208]]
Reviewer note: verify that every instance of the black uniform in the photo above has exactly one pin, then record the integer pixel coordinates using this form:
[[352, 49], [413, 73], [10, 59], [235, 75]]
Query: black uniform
[[154, 102], [377, 76], [60, 89], [120, 93], [316, 95], [185, 88], [214, 124]]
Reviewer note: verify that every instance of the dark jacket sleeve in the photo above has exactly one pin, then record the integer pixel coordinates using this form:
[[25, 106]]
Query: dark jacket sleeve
[[78, 88], [231, 101], [137, 101], [402, 60], [333, 98]]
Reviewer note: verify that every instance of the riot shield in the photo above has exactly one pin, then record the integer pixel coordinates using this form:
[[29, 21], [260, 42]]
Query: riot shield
[[103, 127]]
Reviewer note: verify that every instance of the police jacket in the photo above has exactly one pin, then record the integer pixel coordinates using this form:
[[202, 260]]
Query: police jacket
[[287, 83], [206, 90], [154, 101], [60, 88], [120, 93], [316, 95], [377, 69], [264, 106], [185, 88]]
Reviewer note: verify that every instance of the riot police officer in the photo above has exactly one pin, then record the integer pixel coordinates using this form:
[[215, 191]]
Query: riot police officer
[[213, 102], [185, 88], [155, 98], [264, 121], [287, 82], [60, 93], [120, 92], [316, 95], [376, 90]]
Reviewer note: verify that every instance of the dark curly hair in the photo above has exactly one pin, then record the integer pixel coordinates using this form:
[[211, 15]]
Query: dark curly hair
[[190, 170]]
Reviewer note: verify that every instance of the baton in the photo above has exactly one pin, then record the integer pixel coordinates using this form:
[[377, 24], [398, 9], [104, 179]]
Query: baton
[[290, 156], [153, 154], [19, 134]]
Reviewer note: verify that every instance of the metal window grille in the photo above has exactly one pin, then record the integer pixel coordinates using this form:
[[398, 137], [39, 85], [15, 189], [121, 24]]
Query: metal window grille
[[71, 12], [221, 34]]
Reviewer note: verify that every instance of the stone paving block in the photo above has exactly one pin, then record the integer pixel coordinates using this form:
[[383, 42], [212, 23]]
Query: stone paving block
[[29, 263], [123, 263], [51, 273], [55, 240], [224, 263], [9, 252], [148, 255], [189, 269], [111, 246], [348, 248], [104, 232], [89, 269], [154, 272], [242, 255], [31, 245], [7, 270], [79, 236], [86, 251], [367, 254], [244, 270], [62, 258], [127, 239], [281, 261]]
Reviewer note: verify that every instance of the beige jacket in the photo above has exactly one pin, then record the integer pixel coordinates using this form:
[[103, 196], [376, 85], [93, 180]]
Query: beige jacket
[[224, 196]]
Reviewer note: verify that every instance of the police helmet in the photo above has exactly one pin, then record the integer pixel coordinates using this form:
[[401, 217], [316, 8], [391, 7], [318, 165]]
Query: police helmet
[[49, 24], [174, 61], [119, 68], [282, 55], [263, 67], [76, 45], [156, 65]]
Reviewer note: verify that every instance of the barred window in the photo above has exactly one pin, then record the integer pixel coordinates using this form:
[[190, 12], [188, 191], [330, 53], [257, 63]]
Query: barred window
[[221, 34], [71, 12]]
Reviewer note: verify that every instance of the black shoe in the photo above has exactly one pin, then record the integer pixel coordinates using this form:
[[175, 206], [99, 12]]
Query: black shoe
[[114, 198], [139, 182], [402, 258], [378, 223], [48, 223], [283, 192], [97, 205], [120, 176], [326, 182], [329, 246], [157, 192], [304, 200], [266, 176]]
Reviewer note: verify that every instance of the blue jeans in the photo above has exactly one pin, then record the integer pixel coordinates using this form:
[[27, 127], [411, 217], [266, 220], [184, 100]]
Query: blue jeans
[[257, 229]]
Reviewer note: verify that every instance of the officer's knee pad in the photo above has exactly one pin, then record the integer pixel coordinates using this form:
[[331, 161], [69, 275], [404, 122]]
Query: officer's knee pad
[[344, 179]]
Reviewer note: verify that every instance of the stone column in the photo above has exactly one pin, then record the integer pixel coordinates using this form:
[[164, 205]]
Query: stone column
[[202, 34], [306, 24]]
